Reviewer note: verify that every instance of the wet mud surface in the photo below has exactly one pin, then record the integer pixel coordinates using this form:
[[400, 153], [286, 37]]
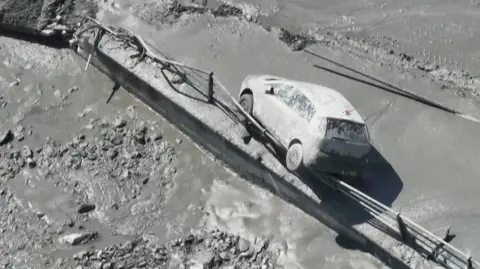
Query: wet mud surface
[[420, 187], [82, 181], [436, 46], [78, 174]]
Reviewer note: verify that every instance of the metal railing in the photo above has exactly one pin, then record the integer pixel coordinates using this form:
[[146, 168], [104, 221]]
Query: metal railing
[[410, 233]]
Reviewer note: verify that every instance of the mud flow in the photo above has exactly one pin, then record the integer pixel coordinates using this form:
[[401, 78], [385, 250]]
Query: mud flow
[[92, 178]]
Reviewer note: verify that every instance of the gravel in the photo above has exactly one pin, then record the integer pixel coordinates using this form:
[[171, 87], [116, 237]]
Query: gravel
[[215, 249]]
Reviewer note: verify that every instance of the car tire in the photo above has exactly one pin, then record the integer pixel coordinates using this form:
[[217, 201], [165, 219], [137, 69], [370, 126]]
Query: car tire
[[294, 157], [246, 102]]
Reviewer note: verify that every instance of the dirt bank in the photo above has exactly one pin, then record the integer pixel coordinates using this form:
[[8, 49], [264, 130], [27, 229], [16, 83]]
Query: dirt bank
[[44, 16], [384, 50]]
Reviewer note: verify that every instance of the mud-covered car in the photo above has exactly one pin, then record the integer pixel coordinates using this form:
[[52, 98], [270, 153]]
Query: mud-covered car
[[317, 125]]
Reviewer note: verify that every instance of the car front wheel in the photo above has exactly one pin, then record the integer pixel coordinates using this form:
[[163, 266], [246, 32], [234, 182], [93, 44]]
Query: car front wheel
[[294, 158]]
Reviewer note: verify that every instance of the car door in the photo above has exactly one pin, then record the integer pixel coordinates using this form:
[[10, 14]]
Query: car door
[[274, 107], [302, 110]]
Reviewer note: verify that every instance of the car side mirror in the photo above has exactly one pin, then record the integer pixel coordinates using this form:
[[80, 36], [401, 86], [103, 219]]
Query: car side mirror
[[269, 90]]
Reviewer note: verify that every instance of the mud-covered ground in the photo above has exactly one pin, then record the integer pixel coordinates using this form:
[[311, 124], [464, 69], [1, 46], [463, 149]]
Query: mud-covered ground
[[432, 39], [77, 171], [99, 185], [233, 44]]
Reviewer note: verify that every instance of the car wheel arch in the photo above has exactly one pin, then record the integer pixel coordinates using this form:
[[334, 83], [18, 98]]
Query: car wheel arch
[[294, 141], [250, 92], [246, 91]]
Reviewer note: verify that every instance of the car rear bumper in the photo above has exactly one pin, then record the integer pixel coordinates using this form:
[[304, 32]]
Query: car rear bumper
[[340, 165]]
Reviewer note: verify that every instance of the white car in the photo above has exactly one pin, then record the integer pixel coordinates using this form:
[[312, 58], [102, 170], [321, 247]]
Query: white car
[[318, 126]]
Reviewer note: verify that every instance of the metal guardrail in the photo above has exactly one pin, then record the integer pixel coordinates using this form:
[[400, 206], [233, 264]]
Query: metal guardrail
[[407, 231], [411, 233]]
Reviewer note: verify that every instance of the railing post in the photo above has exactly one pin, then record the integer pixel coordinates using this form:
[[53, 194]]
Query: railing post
[[402, 228], [469, 263], [210, 88]]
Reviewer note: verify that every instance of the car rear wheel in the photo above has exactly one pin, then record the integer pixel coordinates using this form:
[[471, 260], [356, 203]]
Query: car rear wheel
[[294, 157], [246, 102]]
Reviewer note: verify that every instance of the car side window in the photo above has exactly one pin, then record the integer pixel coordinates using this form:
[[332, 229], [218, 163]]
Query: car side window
[[302, 105], [295, 100], [284, 92]]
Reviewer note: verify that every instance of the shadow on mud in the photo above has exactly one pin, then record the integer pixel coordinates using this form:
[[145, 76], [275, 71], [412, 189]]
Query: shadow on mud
[[334, 211], [55, 41]]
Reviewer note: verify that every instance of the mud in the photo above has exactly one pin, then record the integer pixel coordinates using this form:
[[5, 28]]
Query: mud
[[69, 193], [49, 16], [213, 249], [234, 48], [382, 50], [77, 173]]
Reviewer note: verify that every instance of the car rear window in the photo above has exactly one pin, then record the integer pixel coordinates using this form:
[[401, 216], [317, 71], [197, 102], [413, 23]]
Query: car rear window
[[346, 130]]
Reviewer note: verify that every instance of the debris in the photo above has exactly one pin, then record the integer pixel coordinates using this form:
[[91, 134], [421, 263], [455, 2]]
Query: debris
[[85, 208], [120, 122], [176, 79], [212, 250], [243, 245], [79, 238]]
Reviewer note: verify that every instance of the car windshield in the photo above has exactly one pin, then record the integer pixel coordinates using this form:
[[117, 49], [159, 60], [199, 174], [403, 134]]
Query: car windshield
[[346, 130]]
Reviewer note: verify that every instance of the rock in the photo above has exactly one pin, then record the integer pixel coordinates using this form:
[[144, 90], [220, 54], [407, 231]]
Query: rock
[[85, 208], [73, 89], [31, 163], [20, 137], [107, 265], [69, 223], [15, 83], [112, 153], [116, 139], [119, 122], [78, 238], [298, 45], [19, 129], [97, 265], [6, 137], [226, 256], [202, 260], [27, 152], [243, 245], [125, 174]]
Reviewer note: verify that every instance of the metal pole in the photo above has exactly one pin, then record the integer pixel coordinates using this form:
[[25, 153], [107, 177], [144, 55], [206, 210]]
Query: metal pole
[[210, 88], [469, 263], [402, 228]]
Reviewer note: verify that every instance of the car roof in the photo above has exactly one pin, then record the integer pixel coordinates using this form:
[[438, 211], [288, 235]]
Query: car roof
[[327, 101]]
